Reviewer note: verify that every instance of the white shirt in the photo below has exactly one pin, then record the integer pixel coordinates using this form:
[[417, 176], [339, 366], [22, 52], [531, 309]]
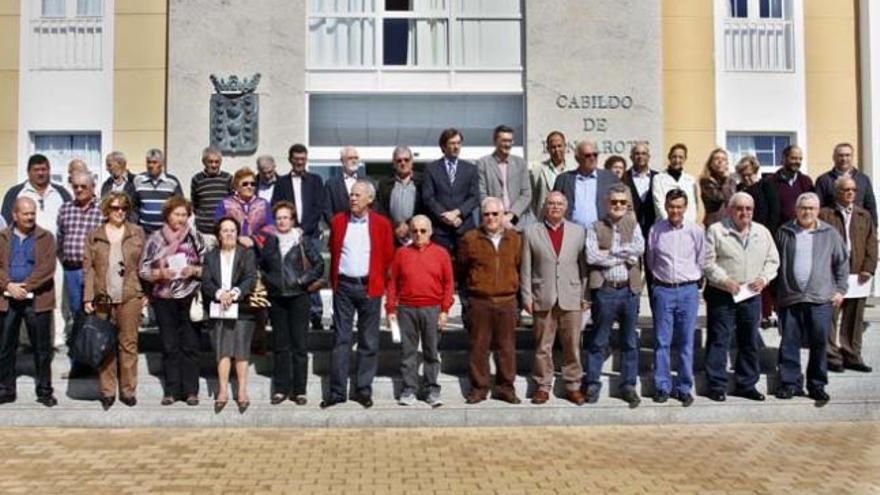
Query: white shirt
[[349, 181], [847, 218], [48, 205], [226, 268], [267, 193], [355, 257], [496, 238], [297, 196], [642, 182]]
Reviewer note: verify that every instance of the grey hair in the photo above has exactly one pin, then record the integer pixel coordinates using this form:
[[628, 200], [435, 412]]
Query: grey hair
[[556, 193], [424, 219], [488, 200], [88, 176], [740, 195], [807, 196], [843, 179], [346, 149], [156, 154], [370, 188], [265, 158], [116, 157], [637, 144], [617, 189], [210, 150], [401, 149], [577, 149]]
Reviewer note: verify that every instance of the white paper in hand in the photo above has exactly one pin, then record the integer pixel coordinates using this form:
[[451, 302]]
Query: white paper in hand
[[176, 263], [857, 290], [395, 331], [217, 312], [745, 292]]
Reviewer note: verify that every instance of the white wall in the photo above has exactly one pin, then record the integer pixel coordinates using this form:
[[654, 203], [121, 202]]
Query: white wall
[[761, 101], [64, 101]]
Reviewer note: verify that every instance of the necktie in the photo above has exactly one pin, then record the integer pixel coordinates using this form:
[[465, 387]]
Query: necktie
[[450, 168]]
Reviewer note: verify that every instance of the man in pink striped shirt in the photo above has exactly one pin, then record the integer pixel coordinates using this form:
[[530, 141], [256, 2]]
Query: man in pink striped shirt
[[418, 299]]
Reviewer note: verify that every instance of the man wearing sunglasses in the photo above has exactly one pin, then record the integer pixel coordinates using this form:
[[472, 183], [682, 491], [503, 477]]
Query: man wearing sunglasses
[[399, 196], [586, 187], [76, 220], [489, 260]]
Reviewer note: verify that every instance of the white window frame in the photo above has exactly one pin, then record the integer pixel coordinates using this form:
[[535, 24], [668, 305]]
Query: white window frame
[[406, 79], [70, 10], [766, 168]]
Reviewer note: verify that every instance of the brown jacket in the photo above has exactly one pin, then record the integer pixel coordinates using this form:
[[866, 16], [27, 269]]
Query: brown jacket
[[863, 257], [97, 256], [42, 281], [491, 273], [605, 237]]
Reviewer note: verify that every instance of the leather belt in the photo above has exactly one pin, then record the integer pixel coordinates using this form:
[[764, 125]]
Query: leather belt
[[354, 280], [676, 284], [616, 285]]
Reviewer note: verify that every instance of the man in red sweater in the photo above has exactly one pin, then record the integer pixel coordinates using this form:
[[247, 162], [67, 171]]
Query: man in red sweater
[[361, 250], [418, 299]]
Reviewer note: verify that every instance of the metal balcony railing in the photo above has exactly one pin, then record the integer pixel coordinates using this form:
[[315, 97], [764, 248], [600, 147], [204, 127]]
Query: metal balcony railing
[[758, 45], [67, 43]]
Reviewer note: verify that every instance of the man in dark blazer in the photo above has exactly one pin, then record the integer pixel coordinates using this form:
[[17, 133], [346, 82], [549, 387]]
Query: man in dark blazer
[[639, 179], [406, 202], [451, 192], [589, 206], [305, 190], [338, 188]]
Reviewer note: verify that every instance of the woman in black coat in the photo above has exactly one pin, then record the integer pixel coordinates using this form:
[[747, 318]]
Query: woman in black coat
[[767, 209], [228, 278], [290, 269]]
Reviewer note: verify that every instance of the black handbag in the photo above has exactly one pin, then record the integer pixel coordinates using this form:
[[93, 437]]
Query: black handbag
[[93, 340]]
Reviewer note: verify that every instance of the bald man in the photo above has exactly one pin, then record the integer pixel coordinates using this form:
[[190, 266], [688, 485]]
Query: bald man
[[586, 187]]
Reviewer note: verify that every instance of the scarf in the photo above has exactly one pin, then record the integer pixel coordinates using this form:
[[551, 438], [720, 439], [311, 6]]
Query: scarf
[[173, 241], [675, 174]]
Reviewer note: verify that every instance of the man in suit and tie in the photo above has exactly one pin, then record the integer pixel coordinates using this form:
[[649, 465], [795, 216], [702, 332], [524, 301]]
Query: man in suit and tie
[[553, 281], [638, 178], [506, 176], [544, 175], [585, 187], [399, 196], [304, 190], [451, 192], [338, 188]]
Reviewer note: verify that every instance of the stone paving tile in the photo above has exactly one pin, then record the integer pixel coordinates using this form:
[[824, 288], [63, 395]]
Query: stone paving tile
[[832, 458]]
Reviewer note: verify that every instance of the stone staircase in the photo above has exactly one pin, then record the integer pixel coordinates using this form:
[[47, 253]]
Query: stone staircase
[[854, 396]]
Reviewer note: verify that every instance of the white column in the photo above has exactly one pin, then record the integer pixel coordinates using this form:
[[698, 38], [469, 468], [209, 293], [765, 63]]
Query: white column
[[869, 51]]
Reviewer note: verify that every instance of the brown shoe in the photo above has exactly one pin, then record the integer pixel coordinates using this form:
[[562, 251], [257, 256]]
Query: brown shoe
[[576, 397], [510, 398], [540, 397], [474, 398]]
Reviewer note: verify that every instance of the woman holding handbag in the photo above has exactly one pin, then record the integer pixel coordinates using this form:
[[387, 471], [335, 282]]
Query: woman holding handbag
[[113, 291], [291, 269], [228, 278], [172, 263]]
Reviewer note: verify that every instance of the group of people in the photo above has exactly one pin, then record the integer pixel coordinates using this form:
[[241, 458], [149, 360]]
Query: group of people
[[553, 240]]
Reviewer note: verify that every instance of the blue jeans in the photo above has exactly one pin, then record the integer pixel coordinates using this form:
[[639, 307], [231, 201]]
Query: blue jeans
[[73, 281], [348, 299], [675, 314], [726, 318], [812, 321], [611, 304]]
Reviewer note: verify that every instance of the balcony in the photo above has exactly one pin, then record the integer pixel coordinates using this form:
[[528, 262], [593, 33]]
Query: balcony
[[67, 43], [758, 45]]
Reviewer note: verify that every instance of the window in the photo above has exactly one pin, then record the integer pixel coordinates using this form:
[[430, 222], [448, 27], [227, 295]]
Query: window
[[59, 8], [61, 148], [771, 9], [88, 8], [53, 8], [415, 33], [739, 8], [766, 147]]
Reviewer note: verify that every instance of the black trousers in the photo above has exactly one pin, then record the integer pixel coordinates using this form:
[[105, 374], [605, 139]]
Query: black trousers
[[290, 326], [351, 298], [180, 347], [39, 328]]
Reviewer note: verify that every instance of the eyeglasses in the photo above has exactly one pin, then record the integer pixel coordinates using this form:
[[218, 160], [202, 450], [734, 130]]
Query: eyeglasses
[[117, 208], [248, 184], [618, 202], [212, 161], [491, 213], [420, 231], [152, 161], [79, 187], [403, 160], [848, 189], [743, 208], [591, 155]]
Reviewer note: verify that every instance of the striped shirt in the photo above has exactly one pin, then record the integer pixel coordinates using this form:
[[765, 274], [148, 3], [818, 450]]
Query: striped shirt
[[150, 195], [616, 261], [206, 192]]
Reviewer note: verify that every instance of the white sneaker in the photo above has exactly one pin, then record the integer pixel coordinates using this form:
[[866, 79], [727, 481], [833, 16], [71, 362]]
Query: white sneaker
[[433, 400], [407, 399]]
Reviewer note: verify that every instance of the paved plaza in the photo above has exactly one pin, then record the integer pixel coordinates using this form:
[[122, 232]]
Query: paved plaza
[[833, 458]]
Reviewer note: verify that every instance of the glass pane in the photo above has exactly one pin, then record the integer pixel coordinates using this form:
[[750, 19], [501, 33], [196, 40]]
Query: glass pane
[[413, 42], [488, 7], [341, 6], [414, 120], [488, 43], [771, 8], [766, 158], [419, 6], [53, 8], [341, 42], [739, 8], [88, 8], [60, 149]]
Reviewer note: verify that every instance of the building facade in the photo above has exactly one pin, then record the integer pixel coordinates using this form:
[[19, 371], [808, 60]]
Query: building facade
[[79, 78]]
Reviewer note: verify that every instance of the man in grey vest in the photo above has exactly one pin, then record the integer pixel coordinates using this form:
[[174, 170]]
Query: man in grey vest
[[614, 248]]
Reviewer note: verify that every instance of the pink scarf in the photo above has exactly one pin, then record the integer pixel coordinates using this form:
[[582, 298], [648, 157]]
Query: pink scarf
[[173, 241]]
